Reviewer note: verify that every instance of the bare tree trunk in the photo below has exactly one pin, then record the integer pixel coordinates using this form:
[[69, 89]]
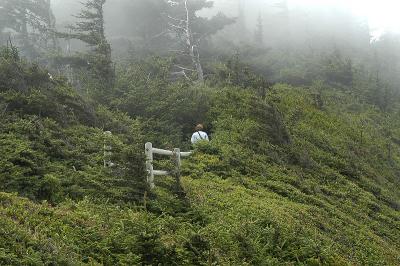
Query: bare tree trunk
[[183, 27], [24, 31], [193, 49]]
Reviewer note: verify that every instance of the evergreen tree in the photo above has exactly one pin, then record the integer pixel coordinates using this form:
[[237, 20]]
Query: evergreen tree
[[387, 58], [90, 30], [32, 21], [380, 93]]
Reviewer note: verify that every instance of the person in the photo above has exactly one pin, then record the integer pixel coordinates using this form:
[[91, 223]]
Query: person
[[199, 134]]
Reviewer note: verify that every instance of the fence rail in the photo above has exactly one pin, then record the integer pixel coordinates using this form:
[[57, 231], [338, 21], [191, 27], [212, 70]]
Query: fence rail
[[176, 154]]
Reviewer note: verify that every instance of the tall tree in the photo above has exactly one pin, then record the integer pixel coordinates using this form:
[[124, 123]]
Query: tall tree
[[387, 58], [191, 29], [32, 21], [90, 30]]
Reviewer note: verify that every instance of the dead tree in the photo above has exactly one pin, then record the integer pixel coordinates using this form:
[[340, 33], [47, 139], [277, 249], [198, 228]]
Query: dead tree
[[182, 26]]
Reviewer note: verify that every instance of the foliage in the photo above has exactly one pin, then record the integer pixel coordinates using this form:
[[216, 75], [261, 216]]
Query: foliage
[[52, 140], [337, 69], [329, 201], [235, 73], [90, 30], [168, 110], [87, 233], [33, 21], [291, 176]]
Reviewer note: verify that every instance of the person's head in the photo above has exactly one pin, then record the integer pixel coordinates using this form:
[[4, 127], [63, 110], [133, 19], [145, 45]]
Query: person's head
[[199, 127]]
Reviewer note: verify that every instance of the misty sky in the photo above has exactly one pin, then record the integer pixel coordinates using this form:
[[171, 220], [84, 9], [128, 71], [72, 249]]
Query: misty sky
[[381, 14]]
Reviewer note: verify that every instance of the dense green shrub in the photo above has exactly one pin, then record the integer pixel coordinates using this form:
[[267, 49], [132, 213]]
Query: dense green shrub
[[169, 111], [326, 168], [91, 233], [53, 140], [291, 176]]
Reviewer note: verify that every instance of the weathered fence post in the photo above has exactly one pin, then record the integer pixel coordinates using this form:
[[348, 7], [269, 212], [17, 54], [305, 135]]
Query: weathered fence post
[[107, 149], [177, 158], [149, 164], [176, 155]]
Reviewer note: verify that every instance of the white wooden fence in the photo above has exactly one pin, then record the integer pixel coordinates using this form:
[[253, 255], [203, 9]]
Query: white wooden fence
[[107, 150], [176, 154]]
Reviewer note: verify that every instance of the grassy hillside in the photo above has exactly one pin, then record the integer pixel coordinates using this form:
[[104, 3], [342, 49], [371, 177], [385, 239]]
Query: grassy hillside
[[330, 197], [292, 176]]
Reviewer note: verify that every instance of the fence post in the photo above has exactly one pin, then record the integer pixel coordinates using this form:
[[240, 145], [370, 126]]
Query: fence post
[[177, 157], [107, 149], [149, 164]]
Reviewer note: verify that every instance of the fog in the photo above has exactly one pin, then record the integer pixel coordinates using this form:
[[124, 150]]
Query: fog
[[381, 15], [270, 35], [304, 24]]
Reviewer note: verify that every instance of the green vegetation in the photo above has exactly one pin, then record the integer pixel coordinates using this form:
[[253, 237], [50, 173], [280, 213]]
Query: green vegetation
[[292, 176], [326, 197], [302, 167], [52, 139]]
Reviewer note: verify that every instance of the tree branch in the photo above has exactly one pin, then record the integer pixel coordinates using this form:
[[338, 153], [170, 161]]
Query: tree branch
[[176, 19], [184, 68], [178, 27]]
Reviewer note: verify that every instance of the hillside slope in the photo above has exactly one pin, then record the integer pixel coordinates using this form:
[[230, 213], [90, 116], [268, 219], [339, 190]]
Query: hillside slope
[[291, 176], [329, 196]]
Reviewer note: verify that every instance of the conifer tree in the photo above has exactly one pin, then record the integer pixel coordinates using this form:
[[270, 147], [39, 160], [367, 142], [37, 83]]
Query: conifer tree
[[32, 21], [90, 30]]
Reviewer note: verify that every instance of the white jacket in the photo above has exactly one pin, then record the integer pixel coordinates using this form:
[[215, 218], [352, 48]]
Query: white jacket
[[199, 135]]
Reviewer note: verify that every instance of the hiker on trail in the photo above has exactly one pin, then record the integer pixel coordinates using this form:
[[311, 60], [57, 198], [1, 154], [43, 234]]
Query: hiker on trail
[[199, 134]]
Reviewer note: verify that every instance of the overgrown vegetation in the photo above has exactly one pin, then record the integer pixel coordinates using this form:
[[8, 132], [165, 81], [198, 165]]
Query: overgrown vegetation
[[288, 178], [52, 139], [299, 174]]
